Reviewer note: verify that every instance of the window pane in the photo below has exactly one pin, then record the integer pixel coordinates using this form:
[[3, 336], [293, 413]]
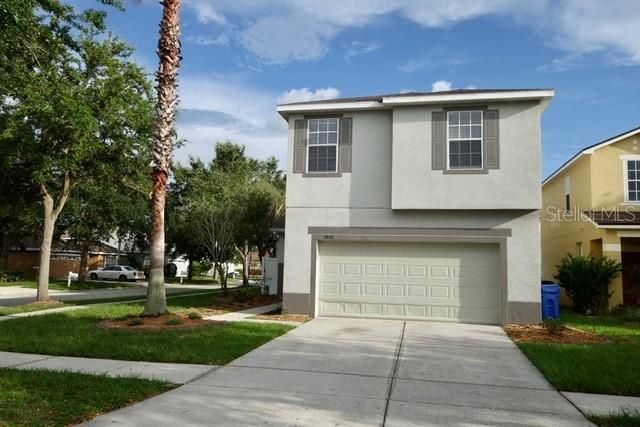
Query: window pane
[[453, 160], [633, 196], [313, 138], [322, 138], [476, 132], [322, 127], [454, 147], [465, 161], [322, 159], [465, 147], [313, 125], [333, 124], [476, 160], [454, 117], [465, 117], [465, 132], [476, 146], [453, 132], [632, 186], [332, 138], [476, 117]]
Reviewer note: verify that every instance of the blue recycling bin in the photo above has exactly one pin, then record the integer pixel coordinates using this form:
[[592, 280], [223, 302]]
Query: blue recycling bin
[[550, 301]]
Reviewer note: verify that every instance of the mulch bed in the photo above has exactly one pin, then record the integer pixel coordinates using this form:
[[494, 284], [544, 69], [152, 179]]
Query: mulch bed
[[561, 335], [163, 322], [277, 315], [230, 303]]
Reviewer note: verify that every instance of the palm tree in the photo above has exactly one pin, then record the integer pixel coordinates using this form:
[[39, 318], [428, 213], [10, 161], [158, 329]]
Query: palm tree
[[166, 104]]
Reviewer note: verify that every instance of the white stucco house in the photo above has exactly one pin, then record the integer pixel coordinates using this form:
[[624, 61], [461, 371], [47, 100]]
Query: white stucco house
[[415, 206]]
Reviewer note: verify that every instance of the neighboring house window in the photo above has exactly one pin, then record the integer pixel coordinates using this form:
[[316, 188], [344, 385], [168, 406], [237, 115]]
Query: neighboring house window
[[464, 139], [567, 193], [322, 149], [633, 180], [579, 248]]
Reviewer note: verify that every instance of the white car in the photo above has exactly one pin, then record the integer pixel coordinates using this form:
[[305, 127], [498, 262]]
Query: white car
[[116, 272]]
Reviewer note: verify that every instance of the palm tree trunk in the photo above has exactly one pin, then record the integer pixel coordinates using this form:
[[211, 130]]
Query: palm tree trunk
[[167, 101]]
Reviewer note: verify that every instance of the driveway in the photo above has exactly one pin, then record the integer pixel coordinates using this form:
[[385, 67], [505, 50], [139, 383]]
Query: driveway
[[352, 372]]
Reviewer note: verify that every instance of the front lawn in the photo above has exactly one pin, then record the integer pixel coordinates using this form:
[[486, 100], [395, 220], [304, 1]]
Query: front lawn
[[606, 368], [624, 419], [46, 398], [78, 333], [61, 285]]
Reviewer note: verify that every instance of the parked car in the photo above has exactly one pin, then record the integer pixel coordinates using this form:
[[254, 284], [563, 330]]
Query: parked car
[[116, 272]]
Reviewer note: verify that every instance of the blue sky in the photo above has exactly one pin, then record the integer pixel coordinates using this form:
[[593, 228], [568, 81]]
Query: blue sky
[[242, 57]]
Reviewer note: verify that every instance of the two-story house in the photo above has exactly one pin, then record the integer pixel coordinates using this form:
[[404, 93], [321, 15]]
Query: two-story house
[[591, 206], [415, 206]]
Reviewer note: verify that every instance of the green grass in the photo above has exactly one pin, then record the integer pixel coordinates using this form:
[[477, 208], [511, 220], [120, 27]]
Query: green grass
[[45, 398], [602, 325], [61, 285], [609, 368], [77, 333], [26, 308], [624, 419]]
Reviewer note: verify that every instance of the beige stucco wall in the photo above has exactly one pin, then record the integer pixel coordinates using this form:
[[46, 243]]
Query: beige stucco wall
[[515, 185], [597, 182]]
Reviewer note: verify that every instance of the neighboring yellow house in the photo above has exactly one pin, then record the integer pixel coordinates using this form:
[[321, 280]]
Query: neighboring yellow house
[[591, 205]]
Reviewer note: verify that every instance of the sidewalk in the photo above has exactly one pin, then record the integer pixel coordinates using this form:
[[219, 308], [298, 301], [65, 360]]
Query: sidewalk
[[246, 315], [177, 373], [602, 404]]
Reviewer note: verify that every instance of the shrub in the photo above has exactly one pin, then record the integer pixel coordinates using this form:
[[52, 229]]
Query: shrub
[[626, 313], [552, 325], [244, 293], [173, 322], [194, 315], [586, 281]]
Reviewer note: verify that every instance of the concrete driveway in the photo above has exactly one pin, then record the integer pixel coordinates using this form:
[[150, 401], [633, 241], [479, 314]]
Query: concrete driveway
[[351, 372]]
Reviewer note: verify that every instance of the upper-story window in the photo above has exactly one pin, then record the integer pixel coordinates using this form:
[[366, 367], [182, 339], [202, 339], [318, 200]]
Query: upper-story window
[[322, 149], [633, 180], [464, 139]]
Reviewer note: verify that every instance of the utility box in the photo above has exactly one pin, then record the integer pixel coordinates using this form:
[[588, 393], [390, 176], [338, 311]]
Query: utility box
[[270, 275]]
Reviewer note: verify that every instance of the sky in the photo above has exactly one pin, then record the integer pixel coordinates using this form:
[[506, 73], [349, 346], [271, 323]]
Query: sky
[[243, 57]]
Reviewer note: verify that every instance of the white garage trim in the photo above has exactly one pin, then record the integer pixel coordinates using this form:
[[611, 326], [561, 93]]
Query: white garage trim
[[426, 235]]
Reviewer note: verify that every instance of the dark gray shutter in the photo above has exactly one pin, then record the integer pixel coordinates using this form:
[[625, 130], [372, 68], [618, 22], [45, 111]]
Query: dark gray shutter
[[299, 146], [491, 140], [344, 156], [438, 140]]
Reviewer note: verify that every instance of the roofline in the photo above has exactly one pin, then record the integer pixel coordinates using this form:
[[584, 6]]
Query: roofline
[[590, 150], [387, 101]]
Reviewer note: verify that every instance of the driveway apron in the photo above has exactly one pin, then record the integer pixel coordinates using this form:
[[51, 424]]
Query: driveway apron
[[356, 372]]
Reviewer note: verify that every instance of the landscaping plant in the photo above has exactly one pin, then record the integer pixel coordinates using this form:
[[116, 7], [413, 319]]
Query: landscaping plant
[[586, 281]]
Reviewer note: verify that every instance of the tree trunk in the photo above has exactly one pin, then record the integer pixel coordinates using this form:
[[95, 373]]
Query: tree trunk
[[190, 269], [215, 270], [156, 302], [51, 214], [223, 277], [245, 263], [166, 104], [45, 249], [84, 261], [4, 255]]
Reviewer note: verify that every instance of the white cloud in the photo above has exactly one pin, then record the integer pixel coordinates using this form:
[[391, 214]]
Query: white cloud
[[357, 48], [225, 107], [280, 31], [305, 94], [440, 86], [203, 40]]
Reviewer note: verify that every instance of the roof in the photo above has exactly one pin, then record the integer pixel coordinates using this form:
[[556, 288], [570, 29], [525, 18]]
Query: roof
[[416, 98], [613, 217], [590, 149], [379, 98]]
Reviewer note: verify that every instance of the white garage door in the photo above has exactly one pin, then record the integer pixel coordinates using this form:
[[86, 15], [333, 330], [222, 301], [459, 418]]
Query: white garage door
[[437, 281]]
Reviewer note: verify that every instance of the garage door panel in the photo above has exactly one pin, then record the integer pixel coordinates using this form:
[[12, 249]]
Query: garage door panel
[[456, 282]]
